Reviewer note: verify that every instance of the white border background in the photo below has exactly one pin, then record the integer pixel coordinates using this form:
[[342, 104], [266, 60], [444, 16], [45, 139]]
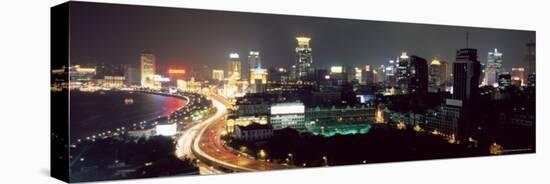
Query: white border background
[[24, 98]]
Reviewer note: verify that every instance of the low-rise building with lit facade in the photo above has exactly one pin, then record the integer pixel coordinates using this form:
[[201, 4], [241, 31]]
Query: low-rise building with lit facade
[[253, 132], [233, 121], [189, 85], [288, 114], [81, 74], [217, 75], [113, 81], [253, 105], [362, 113]]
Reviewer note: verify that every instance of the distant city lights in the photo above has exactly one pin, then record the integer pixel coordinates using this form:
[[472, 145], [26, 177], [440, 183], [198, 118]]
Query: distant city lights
[[336, 69], [234, 56]]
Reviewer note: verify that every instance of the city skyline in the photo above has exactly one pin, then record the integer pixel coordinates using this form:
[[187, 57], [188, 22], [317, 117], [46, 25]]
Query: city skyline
[[246, 92], [173, 38]]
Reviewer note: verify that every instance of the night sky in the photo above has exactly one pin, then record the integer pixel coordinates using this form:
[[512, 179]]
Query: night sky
[[106, 33]]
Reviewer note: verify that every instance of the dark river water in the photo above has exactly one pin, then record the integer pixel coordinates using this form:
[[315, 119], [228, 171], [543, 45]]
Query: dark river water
[[92, 113]]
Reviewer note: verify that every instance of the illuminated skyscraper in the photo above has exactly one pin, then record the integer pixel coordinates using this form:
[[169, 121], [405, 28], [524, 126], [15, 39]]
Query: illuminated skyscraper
[[493, 68], [390, 74], [148, 69], [403, 73], [435, 75], [466, 74], [234, 70], [254, 61], [304, 69]]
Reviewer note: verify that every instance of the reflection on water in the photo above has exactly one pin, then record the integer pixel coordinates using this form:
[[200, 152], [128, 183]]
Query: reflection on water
[[95, 112]]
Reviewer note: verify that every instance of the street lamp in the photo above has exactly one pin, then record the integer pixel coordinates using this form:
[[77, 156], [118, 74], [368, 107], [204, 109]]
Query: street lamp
[[262, 154]]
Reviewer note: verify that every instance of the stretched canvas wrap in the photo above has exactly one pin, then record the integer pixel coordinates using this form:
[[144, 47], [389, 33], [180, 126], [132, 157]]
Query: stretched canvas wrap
[[139, 91]]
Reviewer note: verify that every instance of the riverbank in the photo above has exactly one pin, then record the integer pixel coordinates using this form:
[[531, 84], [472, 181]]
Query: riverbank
[[107, 113], [119, 155]]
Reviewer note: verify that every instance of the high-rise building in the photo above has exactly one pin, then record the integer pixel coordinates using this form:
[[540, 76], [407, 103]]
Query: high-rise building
[[466, 74], [403, 73], [390, 74], [359, 73], [304, 68], [337, 74], [444, 72], [278, 74], [258, 80], [293, 74], [350, 74], [435, 75], [234, 70], [254, 61], [381, 74], [132, 76], [148, 69], [504, 80], [518, 76], [530, 58], [418, 75], [217, 75], [493, 67], [368, 75]]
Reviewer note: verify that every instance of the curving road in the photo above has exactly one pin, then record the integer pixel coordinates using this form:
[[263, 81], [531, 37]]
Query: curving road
[[184, 146], [208, 148]]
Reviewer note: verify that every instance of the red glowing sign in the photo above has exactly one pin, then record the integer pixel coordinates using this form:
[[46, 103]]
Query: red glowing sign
[[176, 71]]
